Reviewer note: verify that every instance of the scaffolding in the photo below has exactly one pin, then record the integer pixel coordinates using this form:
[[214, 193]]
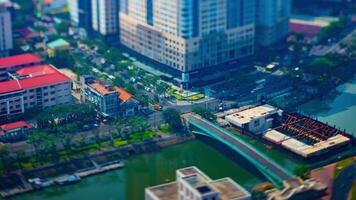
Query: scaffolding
[[306, 129]]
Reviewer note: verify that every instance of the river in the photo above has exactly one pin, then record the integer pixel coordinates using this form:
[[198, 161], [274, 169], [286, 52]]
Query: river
[[338, 108]]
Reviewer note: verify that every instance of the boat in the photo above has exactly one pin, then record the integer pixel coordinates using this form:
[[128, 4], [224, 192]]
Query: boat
[[67, 179]]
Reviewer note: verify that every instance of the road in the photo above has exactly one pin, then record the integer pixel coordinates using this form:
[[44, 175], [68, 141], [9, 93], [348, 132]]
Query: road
[[343, 183], [268, 165]]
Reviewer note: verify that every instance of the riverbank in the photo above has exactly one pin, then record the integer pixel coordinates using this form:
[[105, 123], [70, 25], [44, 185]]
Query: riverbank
[[82, 167]]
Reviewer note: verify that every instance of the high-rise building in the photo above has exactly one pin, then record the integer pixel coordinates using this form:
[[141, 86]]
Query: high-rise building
[[80, 12], [272, 17], [192, 37], [6, 42], [105, 19]]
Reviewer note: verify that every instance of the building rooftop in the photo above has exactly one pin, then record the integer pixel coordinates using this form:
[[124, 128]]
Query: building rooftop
[[124, 95], [22, 59], [33, 77], [245, 116], [302, 148], [167, 191], [102, 89], [58, 43], [13, 125], [226, 187]]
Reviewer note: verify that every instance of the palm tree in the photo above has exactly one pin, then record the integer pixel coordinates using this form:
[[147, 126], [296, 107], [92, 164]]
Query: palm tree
[[4, 156], [20, 155]]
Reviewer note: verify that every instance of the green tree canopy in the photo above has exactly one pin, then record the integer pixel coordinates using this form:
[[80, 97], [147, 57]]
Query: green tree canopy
[[207, 114], [67, 117], [172, 117]]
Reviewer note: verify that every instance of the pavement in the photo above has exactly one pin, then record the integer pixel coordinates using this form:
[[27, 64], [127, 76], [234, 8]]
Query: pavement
[[326, 176]]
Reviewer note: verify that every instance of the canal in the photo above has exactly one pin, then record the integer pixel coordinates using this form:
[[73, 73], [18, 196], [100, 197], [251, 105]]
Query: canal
[[338, 108]]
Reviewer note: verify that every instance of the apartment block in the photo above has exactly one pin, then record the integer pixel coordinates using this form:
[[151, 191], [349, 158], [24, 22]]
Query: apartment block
[[81, 14], [193, 184], [11, 64], [110, 100], [105, 19], [35, 87], [189, 36]]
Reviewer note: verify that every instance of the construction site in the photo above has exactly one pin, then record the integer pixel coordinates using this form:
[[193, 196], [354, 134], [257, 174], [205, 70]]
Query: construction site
[[299, 134]]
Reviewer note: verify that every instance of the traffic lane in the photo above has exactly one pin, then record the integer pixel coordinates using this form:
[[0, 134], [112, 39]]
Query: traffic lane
[[343, 183]]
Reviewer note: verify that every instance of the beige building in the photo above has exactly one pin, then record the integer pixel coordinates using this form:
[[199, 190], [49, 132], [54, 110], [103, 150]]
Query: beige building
[[188, 36]]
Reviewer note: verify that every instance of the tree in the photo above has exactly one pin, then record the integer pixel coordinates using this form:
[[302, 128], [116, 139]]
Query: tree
[[321, 65], [333, 29], [20, 155], [172, 117], [62, 59], [207, 114], [302, 171], [5, 158], [35, 138]]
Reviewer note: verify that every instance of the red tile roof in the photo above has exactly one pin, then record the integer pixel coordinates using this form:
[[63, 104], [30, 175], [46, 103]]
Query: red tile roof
[[14, 125], [22, 59], [36, 70], [101, 88], [38, 76], [304, 28], [124, 96], [9, 86]]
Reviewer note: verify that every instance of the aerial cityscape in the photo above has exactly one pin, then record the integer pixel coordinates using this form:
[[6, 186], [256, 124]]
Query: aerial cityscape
[[177, 99]]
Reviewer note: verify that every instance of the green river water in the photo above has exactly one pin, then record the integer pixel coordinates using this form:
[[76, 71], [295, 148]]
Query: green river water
[[339, 109]]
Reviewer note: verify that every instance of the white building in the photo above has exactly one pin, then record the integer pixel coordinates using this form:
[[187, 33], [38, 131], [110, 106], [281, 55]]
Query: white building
[[257, 119], [34, 87], [193, 184], [105, 18], [110, 100], [6, 42]]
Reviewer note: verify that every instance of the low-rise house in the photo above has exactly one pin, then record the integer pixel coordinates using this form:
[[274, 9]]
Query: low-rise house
[[110, 101], [128, 104], [15, 131], [57, 45]]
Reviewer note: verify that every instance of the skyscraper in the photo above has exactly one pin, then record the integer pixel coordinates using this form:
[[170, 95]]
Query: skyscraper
[[105, 19], [189, 35], [272, 17], [6, 42], [80, 12]]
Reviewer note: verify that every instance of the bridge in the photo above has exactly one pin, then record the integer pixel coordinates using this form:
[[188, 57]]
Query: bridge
[[272, 171]]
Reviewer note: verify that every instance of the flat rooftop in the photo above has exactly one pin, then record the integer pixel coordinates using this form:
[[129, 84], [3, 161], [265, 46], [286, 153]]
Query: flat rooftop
[[167, 191], [226, 187], [245, 116], [300, 147]]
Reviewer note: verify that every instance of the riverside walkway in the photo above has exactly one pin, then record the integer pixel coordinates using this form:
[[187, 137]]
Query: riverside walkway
[[273, 172]]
